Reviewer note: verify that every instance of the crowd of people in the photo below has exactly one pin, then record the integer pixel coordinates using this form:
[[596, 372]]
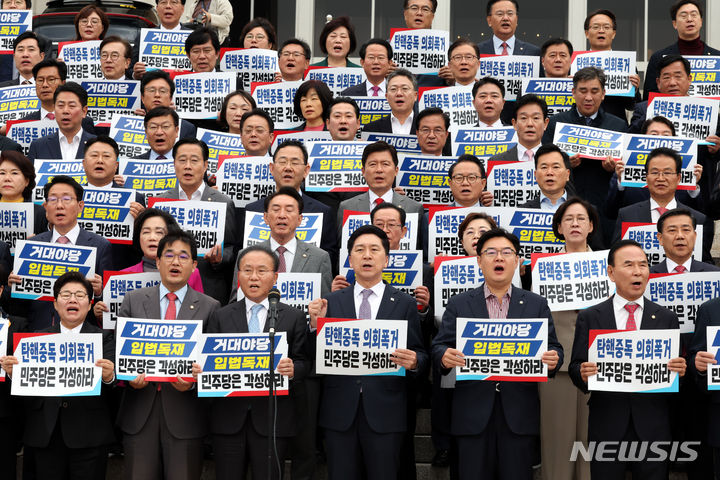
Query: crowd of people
[[361, 426]]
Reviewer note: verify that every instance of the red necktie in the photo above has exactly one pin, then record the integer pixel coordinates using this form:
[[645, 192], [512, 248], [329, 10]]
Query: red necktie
[[631, 307], [378, 201], [504, 49], [282, 266], [51, 116], [63, 240], [171, 312], [680, 269], [661, 210]]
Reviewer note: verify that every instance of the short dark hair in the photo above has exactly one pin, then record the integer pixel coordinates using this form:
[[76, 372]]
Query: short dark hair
[[292, 143], [429, 112], [529, 99], [24, 165], [85, 12], [222, 117], [466, 157], [323, 92], [657, 119], [601, 11], [675, 212], [158, 1], [265, 25], [553, 42], [73, 277], [117, 39], [379, 146], [679, 4], [155, 75], [258, 248], [497, 233], [161, 112], [290, 192], [146, 214], [474, 216], [201, 36], [617, 246], [67, 180], [297, 41], [73, 88], [488, 80], [48, 63], [106, 140], [589, 73], [176, 235], [372, 230], [459, 43], [348, 100], [29, 34], [664, 152], [434, 5], [192, 141], [668, 60], [402, 72], [377, 41], [550, 148], [493, 2], [258, 112], [389, 206], [333, 25], [560, 212]]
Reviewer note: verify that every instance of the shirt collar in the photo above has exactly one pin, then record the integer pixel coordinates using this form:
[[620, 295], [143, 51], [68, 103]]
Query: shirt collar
[[409, 119], [22, 79], [488, 293], [620, 302], [249, 304], [76, 137], [154, 155], [72, 235], [200, 190], [387, 196], [291, 246], [522, 150], [544, 199], [369, 85], [670, 206], [593, 116], [43, 113], [180, 293], [510, 43], [64, 329], [178, 27], [378, 289], [671, 265], [498, 124]]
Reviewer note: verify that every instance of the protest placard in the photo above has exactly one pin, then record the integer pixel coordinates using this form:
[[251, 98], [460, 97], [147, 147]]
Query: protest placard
[[713, 347], [420, 50], [424, 178], [129, 133], [238, 365], [616, 64], [17, 222], [163, 50], [204, 220], [257, 231], [82, 58], [404, 270], [359, 347], [39, 264], [335, 167], [588, 142], [297, 289], [646, 235], [108, 98], [106, 212], [245, 179], [372, 108], [25, 131], [635, 152], [57, 365], [200, 95], [705, 75], [116, 285], [282, 136], [557, 92], [276, 98], [4, 326], [353, 220], [443, 230], [482, 142], [149, 177], [13, 23], [511, 183], [17, 101], [502, 350], [683, 293], [456, 101], [337, 79], [220, 144], [693, 117], [161, 349], [402, 143], [509, 70], [250, 64], [633, 361], [46, 170]]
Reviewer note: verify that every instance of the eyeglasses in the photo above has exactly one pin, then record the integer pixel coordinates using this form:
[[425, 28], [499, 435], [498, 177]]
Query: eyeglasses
[[206, 51], [379, 58], [112, 56], [427, 131], [686, 15], [554, 167], [172, 3], [155, 90], [79, 295], [417, 8], [596, 27], [292, 54], [460, 58], [493, 252], [13, 3], [65, 200], [257, 37], [257, 130], [85, 21], [501, 14], [459, 179], [182, 257], [165, 127], [570, 219], [260, 272], [389, 225], [48, 80], [404, 90], [663, 173], [293, 163]]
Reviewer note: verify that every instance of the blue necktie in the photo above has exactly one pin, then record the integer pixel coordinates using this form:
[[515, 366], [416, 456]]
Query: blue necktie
[[254, 323]]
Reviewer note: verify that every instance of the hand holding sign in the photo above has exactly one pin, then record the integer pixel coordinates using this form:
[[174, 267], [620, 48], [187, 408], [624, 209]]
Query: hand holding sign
[[181, 385], [715, 140], [453, 358], [678, 365], [338, 283], [575, 160], [702, 360], [608, 164], [588, 369], [405, 358], [551, 359], [286, 367], [138, 382], [317, 308], [7, 363], [108, 369]]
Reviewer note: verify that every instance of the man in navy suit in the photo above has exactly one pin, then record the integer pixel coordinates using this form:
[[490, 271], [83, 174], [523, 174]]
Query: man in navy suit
[[169, 13], [28, 51], [614, 416], [496, 424], [402, 94], [375, 58], [364, 417], [502, 18], [676, 234], [162, 126], [157, 90], [68, 142]]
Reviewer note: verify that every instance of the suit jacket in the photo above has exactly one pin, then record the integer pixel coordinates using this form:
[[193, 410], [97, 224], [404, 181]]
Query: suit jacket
[[216, 278], [510, 155], [521, 48], [308, 259], [695, 266], [359, 90], [85, 421], [384, 397], [652, 71], [361, 203], [612, 412], [384, 125], [87, 123], [49, 147], [9, 144], [473, 401], [183, 411], [10, 83], [229, 415], [708, 315]]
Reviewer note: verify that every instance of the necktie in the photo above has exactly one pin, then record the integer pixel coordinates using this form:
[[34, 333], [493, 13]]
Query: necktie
[[588, 121], [631, 307], [254, 323], [63, 240], [25, 82], [529, 155], [680, 269], [378, 201], [375, 89], [282, 267], [162, 157], [504, 49], [364, 312], [50, 115], [661, 210], [171, 312]]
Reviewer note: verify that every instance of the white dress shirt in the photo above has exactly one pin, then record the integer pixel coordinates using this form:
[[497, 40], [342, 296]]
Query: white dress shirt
[[498, 124], [177, 28], [381, 92], [654, 214], [386, 197], [21, 79], [44, 113], [76, 330], [374, 299], [262, 314], [291, 248], [72, 235], [671, 265], [497, 43], [196, 195], [521, 151], [69, 150], [621, 314], [401, 128]]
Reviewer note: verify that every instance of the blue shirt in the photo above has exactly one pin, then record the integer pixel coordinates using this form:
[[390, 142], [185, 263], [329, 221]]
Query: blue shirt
[[164, 302]]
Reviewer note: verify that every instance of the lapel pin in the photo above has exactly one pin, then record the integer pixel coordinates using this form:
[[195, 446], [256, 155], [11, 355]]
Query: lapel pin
[[652, 316], [521, 302], [192, 306], [304, 255], [392, 299]]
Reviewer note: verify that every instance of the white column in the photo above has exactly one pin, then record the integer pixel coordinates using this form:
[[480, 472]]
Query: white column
[[710, 22], [304, 21], [577, 11], [442, 17]]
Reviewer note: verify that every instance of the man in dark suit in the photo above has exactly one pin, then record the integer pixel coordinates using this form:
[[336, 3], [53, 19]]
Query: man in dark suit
[[402, 95], [530, 119], [502, 18], [239, 426], [676, 234], [368, 414], [468, 181], [68, 142], [28, 51], [63, 203], [618, 416], [70, 435], [552, 174], [157, 90], [293, 59], [496, 424], [375, 58], [169, 13], [289, 168], [164, 424], [162, 125], [190, 157], [464, 61], [115, 53], [257, 129], [687, 19], [488, 99], [433, 131]]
